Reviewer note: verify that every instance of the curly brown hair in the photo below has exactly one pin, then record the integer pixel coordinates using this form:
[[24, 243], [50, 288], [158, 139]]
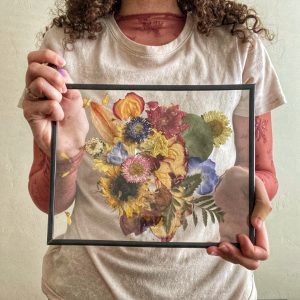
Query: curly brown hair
[[81, 18]]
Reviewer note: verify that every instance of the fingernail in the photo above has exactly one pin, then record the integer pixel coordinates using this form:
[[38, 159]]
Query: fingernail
[[61, 61], [61, 72], [214, 253]]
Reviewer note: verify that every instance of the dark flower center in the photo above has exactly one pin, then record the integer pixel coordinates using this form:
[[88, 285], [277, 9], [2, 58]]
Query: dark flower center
[[217, 127], [93, 145], [122, 189]]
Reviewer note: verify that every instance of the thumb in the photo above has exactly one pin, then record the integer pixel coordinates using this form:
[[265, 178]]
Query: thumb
[[262, 206]]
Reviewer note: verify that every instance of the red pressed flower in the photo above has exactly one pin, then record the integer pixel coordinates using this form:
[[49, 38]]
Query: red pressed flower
[[166, 119]]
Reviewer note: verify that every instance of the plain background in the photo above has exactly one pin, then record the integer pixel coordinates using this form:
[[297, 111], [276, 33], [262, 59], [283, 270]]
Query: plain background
[[23, 226]]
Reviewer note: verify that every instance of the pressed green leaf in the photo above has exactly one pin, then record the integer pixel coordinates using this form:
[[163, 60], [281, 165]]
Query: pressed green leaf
[[205, 204], [217, 210], [211, 207], [168, 216], [198, 137], [176, 203], [212, 216], [222, 217], [204, 216], [218, 217], [195, 218], [189, 184], [202, 199]]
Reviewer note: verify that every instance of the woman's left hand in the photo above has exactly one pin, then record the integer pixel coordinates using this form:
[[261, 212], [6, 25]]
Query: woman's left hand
[[249, 255]]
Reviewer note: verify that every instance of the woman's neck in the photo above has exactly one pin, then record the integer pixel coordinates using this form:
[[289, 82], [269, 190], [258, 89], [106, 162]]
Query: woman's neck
[[134, 7]]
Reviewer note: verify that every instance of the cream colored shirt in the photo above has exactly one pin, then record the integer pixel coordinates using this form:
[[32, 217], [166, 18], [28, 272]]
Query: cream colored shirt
[[71, 272]]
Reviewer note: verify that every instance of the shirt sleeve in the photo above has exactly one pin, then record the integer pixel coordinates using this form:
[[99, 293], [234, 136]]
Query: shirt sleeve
[[259, 70], [52, 40]]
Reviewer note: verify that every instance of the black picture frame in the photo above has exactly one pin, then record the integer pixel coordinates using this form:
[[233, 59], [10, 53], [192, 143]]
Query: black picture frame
[[242, 87]]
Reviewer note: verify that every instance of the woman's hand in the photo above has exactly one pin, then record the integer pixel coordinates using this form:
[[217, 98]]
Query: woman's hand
[[234, 185], [65, 106]]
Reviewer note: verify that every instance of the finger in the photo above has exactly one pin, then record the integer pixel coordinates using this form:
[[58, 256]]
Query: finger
[[261, 237], [262, 206], [43, 89], [213, 250], [39, 110], [234, 255], [71, 93], [254, 252], [46, 56], [36, 70]]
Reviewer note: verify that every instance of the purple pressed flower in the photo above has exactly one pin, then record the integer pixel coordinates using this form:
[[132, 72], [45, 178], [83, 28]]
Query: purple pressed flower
[[137, 129], [206, 168], [117, 155]]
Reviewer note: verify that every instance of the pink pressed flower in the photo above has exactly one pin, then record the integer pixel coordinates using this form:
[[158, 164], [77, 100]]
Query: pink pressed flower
[[136, 169], [166, 119]]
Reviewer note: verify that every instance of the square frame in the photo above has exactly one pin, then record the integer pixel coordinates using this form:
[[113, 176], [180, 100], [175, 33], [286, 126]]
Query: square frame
[[82, 242]]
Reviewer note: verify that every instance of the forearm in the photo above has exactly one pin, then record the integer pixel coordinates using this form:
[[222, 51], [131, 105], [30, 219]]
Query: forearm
[[264, 165], [65, 185], [268, 178]]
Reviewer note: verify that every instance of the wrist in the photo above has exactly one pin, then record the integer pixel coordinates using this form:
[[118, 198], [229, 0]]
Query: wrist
[[66, 165], [269, 181]]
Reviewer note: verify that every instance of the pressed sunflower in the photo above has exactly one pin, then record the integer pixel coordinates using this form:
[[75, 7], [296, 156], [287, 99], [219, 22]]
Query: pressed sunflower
[[219, 125], [129, 198], [136, 169]]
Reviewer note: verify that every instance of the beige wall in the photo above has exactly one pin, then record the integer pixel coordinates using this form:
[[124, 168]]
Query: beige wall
[[23, 227]]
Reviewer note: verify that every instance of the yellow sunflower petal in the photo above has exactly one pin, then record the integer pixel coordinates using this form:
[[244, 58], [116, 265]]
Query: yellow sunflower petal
[[220, 126]]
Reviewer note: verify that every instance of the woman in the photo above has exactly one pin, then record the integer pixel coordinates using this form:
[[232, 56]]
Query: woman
[[184, 42]]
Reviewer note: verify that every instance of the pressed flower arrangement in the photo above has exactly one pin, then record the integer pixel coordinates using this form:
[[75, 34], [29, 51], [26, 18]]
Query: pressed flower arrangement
[[154, 163]]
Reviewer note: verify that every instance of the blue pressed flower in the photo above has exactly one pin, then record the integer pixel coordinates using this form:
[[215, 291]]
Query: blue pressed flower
[[208, 174], [117, 155], [137, 129]]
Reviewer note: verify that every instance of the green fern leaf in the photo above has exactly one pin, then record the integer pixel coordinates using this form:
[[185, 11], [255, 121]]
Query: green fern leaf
[[195, 218], [204, 216]]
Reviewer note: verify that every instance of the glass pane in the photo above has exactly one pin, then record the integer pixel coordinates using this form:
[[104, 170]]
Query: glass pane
[[157, 166]]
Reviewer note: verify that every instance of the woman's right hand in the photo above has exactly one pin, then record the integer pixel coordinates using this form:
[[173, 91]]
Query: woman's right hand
[[66, 106]]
